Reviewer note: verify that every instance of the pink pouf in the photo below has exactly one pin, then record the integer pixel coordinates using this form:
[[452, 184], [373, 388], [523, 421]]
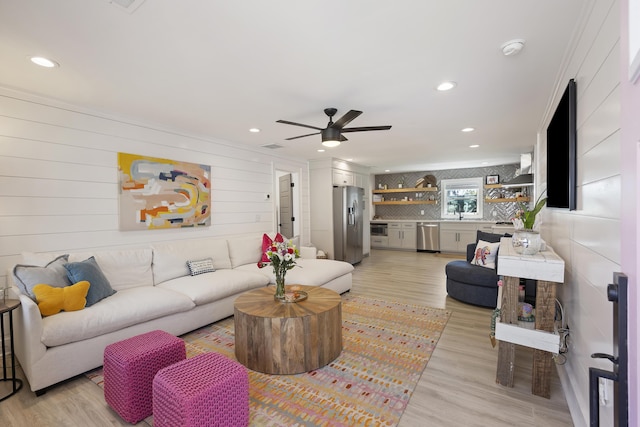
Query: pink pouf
[[207, 390], [129, 368]]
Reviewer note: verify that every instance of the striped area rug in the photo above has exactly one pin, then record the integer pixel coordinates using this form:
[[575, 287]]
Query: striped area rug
[[386, 347]]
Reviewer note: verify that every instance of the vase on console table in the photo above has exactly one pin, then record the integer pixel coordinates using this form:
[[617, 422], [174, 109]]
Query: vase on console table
[[526, 238], [526, 241]]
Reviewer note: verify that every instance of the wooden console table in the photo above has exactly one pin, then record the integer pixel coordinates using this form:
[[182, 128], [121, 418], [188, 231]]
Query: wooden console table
[[548, 269]]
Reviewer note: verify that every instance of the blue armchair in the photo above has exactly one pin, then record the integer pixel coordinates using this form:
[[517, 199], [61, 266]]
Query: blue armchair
[[471, 283]]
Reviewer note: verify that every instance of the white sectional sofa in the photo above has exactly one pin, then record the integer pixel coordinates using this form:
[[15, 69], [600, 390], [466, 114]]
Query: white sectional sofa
[[154, 290]]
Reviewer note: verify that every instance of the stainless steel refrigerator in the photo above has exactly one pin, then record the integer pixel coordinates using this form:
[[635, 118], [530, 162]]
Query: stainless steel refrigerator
[[348, 223]]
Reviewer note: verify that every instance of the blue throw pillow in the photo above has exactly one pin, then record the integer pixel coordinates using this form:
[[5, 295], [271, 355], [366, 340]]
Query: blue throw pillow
[[99, 286]]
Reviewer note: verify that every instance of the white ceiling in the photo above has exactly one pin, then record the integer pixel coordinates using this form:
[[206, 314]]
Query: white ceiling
[[217, 68]]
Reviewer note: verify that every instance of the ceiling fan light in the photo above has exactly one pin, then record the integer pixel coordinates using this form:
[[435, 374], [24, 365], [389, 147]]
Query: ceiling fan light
[[331, 143], [330, 137]]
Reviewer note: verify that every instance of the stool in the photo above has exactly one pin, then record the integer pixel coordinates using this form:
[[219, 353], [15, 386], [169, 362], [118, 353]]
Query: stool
[[129, 368], [206, 390]]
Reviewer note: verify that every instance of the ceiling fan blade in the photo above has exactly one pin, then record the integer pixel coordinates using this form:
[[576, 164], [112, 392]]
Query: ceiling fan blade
[[302, 136], [286, 122], [346, 119], [343, 138], [366, 128]]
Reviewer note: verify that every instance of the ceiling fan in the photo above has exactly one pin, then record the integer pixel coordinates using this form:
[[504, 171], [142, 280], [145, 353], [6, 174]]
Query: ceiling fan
[[332, 134]]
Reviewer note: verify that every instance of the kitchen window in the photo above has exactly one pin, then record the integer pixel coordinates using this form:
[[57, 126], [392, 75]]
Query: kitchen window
[[462, 198]]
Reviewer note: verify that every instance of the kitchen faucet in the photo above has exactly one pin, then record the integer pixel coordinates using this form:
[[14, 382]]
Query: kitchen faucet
[[459, 212]]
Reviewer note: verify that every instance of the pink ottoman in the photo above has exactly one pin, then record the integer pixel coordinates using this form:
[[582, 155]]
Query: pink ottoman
[[206, 390], [129, 368]]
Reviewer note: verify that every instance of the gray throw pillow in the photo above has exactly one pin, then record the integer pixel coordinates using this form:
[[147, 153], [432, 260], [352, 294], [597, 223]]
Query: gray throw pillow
[[89, 270], [53, 274]]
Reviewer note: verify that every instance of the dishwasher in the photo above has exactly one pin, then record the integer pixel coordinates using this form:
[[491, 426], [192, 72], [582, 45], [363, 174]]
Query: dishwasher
[[429, 236]]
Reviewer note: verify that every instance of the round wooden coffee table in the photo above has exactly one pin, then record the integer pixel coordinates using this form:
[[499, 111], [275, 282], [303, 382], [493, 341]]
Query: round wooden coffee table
[[287, 338]]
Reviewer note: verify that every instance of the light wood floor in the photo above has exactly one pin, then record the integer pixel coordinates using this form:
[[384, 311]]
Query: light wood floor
[[456, 389]]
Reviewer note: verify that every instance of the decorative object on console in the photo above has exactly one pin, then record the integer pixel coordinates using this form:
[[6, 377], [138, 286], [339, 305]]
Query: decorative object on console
[[282, 256], [162, 193], [526, 238]]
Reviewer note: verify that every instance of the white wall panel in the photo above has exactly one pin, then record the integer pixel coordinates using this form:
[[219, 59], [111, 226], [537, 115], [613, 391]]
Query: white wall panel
[[29, 187], [601, 124], [588, 232], [602, 161], [600, 87], [58, 179], [602, 198], [588, 239], [42, 206]]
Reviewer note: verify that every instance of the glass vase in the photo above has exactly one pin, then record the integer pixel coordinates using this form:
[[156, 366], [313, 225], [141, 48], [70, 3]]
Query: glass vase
[[279, 295], [526, 241]]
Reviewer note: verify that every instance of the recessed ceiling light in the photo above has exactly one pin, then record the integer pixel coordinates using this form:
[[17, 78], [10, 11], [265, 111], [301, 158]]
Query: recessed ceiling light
[[349, 160], [485, 163], [474, 146], [467, 130], [320, 150], [44, 62], [254, 130], [387, 170], [446, 86]]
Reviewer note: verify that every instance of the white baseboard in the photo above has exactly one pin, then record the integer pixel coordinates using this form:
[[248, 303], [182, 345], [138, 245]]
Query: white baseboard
[[577, 415]]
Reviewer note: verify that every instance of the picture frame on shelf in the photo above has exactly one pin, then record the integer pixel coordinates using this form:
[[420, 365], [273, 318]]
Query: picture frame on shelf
[[493, 179]]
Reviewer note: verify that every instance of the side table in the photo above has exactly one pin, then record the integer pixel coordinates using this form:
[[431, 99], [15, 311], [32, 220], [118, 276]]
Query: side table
[[548, 269], [7, 307]]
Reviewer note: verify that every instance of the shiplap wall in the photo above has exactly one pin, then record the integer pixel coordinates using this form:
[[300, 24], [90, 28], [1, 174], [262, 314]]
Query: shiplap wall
[[58, 179], [589, 238]]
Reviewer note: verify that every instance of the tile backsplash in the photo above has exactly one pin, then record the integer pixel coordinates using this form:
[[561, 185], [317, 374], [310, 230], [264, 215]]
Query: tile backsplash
[[491, 211]]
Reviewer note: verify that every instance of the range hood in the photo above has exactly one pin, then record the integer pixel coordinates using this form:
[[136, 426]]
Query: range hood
[[524, 177]]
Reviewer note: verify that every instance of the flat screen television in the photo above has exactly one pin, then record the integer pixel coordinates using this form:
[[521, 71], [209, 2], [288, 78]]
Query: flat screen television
[[561, 152]]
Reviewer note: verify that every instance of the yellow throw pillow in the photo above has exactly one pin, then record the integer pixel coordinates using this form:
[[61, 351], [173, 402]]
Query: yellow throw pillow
[[52, 300]]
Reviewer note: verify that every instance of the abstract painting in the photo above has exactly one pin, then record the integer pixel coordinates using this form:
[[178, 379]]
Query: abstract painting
[[161, 193]]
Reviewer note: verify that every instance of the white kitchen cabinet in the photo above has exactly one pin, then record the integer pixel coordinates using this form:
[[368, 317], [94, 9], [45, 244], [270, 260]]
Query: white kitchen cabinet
[[342, 178], [402, 235], [380, 242], [454, 236]]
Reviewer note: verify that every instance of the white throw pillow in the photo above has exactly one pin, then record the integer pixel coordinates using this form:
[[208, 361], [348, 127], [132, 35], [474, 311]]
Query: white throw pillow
[[485, 254]]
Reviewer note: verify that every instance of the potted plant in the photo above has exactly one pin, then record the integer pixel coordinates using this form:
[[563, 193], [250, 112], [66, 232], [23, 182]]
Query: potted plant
[[526, 237]]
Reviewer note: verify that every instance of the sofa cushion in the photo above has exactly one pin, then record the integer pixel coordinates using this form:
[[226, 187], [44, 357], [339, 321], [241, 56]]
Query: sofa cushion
[[170, 258], [123, 268], [485, 254], [312, 272], [89, 270], [209, 287], [52, 274], [125, 308], [245, 250], [53, 300], [463, 272]]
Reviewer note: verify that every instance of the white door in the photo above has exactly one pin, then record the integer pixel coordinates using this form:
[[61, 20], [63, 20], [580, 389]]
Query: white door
[[286, 205]]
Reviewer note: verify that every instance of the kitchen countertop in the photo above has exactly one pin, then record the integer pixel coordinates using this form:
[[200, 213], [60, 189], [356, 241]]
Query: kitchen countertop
[[477, 221]]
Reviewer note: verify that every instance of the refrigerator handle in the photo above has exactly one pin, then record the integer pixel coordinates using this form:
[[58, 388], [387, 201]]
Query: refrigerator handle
[[352, 213]]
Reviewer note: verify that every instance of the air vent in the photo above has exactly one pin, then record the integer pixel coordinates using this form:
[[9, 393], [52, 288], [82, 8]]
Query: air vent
[[128, 6], [272, 146]]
